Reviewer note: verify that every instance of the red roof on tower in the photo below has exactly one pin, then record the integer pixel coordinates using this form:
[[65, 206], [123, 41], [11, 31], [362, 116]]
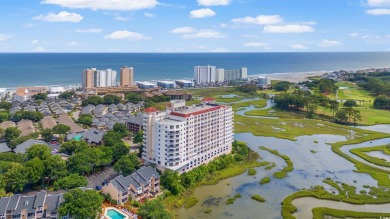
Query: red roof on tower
[[151, 110]]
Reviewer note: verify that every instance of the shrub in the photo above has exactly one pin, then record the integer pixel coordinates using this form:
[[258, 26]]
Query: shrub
[[258, 198], [265, 180], [252, 172]]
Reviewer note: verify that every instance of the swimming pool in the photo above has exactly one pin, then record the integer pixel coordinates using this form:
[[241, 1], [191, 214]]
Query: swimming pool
[[114, 214]]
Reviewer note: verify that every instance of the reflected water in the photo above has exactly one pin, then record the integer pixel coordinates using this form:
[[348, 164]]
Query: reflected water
[[313, 162]]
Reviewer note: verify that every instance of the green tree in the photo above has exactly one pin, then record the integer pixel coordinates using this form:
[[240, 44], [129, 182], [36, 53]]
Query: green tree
[[341, 116], [34, 170], [154, 209], [333, 106], [5, 105], [138, 137], [121, 129], [127, 164], [61, 129], [282, 86], [47, 135], [171, 181], [111, 99], [10, 135], [119, 150], [86, 160], [4, 116], [350, 103], [93, 100], [81, 204], [41, 151], [55, 168], [382, 102], [133, 97], [73, 146], [248, 88], [85, 120], [327, 86], [66, 95], [40, 96], [2, 131], [111, 138], [15, 177], [70, 182]]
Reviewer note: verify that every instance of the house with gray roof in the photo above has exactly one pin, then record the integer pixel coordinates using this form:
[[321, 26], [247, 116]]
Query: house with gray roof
[[21, 148], [142, 184], [39, 205]]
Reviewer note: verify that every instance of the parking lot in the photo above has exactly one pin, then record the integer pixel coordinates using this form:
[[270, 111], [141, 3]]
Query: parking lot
[[98, 178]]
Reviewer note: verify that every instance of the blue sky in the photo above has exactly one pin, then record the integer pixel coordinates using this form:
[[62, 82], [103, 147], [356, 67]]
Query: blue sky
[[194, 25]]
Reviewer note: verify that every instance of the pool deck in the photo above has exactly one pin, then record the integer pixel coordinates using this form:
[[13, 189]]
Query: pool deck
[[128, 215]]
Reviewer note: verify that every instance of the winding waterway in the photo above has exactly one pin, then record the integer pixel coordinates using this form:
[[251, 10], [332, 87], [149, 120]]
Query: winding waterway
[[309, 170]]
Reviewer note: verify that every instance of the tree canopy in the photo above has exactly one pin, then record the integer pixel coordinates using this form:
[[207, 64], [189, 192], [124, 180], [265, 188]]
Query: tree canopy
[[126, 165], [40, 96], [154, 209], [121, 129], [61, 129], [72, 181], [81, 204], [85, 120], [93, 100], [72, 146], [282, 86], [111, 99]]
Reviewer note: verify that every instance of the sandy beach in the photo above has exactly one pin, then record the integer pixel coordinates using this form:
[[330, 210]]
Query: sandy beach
[[291, 77]]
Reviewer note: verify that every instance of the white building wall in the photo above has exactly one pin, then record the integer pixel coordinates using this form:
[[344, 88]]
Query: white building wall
[[204, 74], [181, 144]]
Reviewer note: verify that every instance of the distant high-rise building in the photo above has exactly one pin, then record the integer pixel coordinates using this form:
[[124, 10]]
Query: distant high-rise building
[[232, 74], [98, 78], [127, 76], [88, 78], [204, 74]]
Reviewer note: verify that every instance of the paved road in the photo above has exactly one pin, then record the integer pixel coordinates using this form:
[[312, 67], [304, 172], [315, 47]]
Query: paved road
[[98, 178]]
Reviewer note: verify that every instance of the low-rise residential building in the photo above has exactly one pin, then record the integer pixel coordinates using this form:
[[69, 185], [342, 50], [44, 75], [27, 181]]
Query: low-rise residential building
[[145, 85], [39, 205], [25, 93], [134, 123], [142, 184], [182, 137], [166, 84], [184, 83], [178, 95]]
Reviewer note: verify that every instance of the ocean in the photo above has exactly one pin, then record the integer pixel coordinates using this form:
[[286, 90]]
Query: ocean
[[32, 69]]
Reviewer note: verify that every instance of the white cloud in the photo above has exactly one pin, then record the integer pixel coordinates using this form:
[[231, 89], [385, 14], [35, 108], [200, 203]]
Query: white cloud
[[298, 46], [150, 15], [73, 43], [378, 3], [379, 11], [4, 37], [62, 16], [117, 5], [91, 30], [219, 49], [255, 44], [126, 35], [40, 49], [261, 19], [205, 33], [120, 18], [213, 2], [184, 29], [35, 41], [202, 13], [353, 34], [329, 43], [291, 28]]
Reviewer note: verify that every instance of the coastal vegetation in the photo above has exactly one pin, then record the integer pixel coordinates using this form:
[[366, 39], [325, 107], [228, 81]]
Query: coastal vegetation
[[362, 152], [286, 169], [251, 172], [181, 187], [258, 198], [265, 180]]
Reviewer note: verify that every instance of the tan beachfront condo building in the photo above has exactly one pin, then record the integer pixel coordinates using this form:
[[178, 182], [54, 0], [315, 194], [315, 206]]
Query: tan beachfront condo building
[[88, 78], [127, 77]]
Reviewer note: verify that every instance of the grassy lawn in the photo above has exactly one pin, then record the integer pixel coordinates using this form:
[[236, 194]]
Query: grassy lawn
[[256, 103], [262, 112], [229, 100], [289, 128], [353, 92], [217, 91], [320, 213]]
